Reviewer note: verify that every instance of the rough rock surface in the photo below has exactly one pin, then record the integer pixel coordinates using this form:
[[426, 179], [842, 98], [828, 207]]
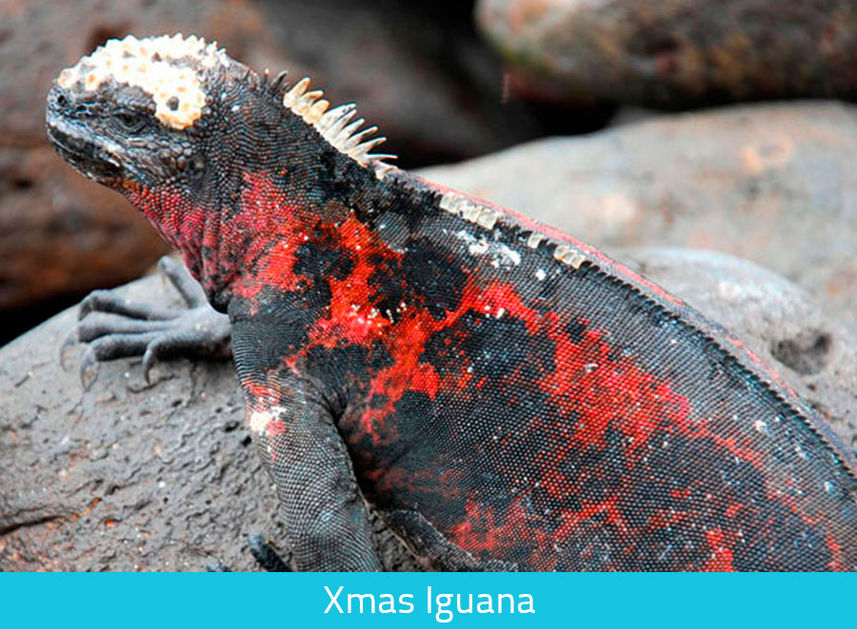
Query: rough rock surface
[[770, 183], [677, 53], [129, 476]]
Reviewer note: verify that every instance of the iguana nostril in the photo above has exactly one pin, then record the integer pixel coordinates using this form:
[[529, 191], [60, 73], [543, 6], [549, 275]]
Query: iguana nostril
[[62, 101]]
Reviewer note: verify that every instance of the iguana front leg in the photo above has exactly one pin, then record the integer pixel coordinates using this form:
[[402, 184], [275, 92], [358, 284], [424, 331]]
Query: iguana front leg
[[326, 519], [114, 327]]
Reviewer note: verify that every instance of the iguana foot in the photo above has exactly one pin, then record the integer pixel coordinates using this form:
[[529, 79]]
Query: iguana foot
[[114, 327], [265, 555]]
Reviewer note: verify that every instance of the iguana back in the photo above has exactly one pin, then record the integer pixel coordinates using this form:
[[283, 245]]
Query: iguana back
[[524, 399]]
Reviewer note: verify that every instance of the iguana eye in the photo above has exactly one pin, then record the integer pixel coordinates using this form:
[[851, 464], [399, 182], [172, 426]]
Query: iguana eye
[[130, 120]]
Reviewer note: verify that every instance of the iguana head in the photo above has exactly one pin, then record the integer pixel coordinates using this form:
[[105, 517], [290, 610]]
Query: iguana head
[[180, 128], [145, 117], [129, 110]]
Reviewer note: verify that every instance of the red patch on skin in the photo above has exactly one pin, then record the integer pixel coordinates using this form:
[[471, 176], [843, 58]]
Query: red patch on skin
[[663, 518], [407, 373], [483, 532], [189, 228], [836, 563], [722, 556], [608, 508], [680, 493], [351, 316], [733, 509], [275, 427], [601, 391], [415, 481], [259, 395], [272, 258], [176, 220]]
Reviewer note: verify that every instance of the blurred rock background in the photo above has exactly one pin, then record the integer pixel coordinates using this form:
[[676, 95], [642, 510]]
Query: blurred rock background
[[678, 53], [711, 146]]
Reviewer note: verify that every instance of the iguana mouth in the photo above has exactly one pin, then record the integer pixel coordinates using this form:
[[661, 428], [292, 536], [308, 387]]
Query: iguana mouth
[[88, 157]]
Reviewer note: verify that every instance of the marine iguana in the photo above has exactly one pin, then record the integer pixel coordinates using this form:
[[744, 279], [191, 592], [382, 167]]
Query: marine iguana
[[506, 396]]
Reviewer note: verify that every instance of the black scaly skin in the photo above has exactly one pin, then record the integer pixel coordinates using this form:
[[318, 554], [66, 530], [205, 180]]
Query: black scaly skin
[[506, 396]]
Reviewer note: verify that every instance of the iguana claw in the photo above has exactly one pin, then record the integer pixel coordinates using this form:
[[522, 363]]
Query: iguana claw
[[71, 339], [115, 327], [268, 558]]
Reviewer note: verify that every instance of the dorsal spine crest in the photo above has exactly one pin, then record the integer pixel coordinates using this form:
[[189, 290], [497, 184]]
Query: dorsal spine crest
[[335, 125]]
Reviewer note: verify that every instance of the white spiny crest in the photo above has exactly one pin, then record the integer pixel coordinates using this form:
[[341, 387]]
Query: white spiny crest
[[335, 125]]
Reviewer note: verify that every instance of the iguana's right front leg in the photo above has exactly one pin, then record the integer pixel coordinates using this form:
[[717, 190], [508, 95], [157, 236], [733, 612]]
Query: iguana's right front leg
[[326, 520], [292, 417]]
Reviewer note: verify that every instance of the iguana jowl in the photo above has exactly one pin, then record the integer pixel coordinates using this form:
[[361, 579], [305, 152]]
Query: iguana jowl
[[507, 396]]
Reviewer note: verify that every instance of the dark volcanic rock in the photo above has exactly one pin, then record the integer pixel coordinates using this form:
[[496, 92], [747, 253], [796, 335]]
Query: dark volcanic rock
[[61, 234], [676, 53], [773, 184], [127, 476]]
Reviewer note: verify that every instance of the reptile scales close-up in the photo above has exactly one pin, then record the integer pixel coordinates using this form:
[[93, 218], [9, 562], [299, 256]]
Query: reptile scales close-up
[[431, 381]]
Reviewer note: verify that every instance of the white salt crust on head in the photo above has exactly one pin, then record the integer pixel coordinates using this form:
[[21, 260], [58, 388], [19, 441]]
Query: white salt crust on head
[[150, 64], [177, 88]]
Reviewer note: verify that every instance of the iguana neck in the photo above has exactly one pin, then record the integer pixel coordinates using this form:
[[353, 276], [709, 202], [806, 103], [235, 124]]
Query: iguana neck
[[262, 189], [278, 210]]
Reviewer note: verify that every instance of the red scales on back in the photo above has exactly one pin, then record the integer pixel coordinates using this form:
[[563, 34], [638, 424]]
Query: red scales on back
[[506, 396], [469, 380]]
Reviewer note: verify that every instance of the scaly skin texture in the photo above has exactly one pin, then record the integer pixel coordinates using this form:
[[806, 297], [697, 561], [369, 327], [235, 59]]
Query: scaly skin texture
[[508, 397]]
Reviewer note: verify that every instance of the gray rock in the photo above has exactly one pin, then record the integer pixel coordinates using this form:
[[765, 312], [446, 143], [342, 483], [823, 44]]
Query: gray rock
[[770, 183], [676, 53]]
